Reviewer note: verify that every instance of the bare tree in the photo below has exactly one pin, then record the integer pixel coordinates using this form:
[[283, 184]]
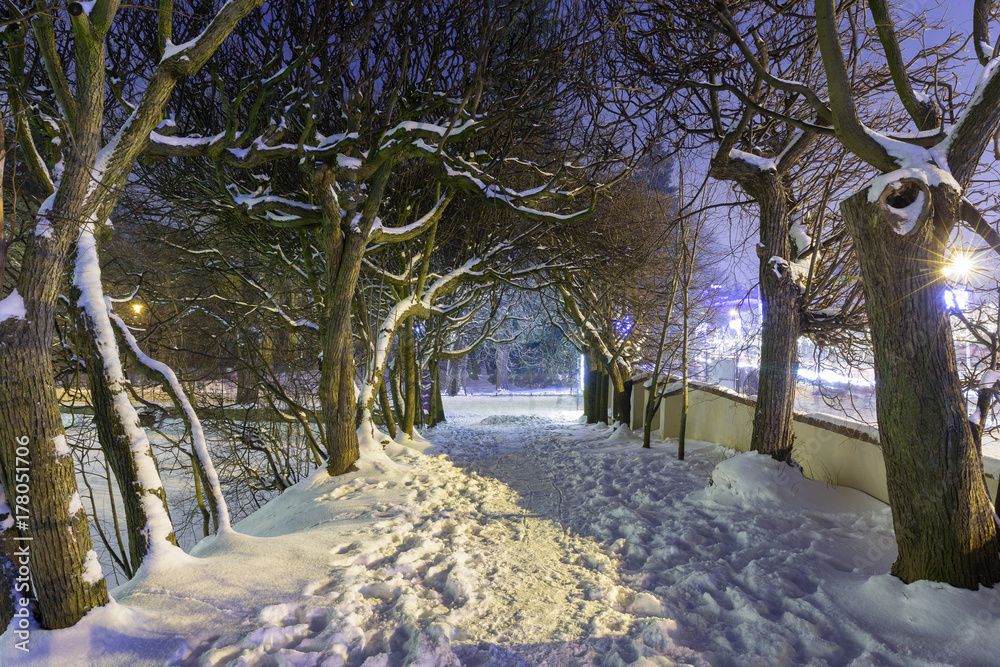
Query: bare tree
[[82, 192], [474, 115], [715, 85]]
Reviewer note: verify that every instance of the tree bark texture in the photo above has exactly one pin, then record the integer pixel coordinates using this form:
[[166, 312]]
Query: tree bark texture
[[435, 407], [383, 403], [782, 323], [940, 508], [29, 414], [780, 302], [623, 404], [344, 251], [411, 385], [603, 384]]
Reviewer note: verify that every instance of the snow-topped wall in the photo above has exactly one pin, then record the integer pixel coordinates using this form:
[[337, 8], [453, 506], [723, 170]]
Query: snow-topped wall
[[829, 449]]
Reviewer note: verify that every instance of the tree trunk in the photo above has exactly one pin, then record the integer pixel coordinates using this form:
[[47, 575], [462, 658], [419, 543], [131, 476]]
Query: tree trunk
[[591, 385], [455, 367], [123, 441], [474, 364], [64, 568], [435, 407], [246, 384], [407, 357], [8, 561], [602, 396], [623, 404], [652, 400], [780, 302], [940, 510], [652, 395], [344, 251], [383, 403], [396, 372], [61, 549], [685, 365]]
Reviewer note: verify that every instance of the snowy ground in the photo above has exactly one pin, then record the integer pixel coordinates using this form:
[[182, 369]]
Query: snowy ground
[[538, 541]]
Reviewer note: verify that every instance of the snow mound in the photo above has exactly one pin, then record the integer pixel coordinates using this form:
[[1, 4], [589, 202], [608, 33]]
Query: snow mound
[[507, 420], [621, 433], [757, 480]]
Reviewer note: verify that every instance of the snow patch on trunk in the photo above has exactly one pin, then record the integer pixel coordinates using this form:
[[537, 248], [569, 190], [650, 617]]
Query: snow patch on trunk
[[12, 307], [92, 572]]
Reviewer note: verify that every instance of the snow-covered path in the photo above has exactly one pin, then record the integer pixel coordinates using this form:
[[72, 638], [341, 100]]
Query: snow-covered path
[[538, 541], [762, 567]]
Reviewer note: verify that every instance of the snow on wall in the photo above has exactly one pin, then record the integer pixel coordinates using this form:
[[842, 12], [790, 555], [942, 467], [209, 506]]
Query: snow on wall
[[837, 451]]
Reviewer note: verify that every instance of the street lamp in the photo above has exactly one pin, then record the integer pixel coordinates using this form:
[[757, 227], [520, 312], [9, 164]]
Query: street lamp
[[137, 308]]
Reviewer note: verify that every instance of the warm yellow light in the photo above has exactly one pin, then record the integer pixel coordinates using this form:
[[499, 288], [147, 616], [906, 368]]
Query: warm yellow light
[[960, 266], [137, 308]]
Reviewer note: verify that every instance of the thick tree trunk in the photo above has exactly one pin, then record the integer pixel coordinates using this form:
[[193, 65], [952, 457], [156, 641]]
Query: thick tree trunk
[[246, 386], [344, 251], [61, 549], [8, 561], [395, 373], [623, 404], [940, 510], [64, 568], [435, 407], [780, 302], [602, 396], [65, 573]]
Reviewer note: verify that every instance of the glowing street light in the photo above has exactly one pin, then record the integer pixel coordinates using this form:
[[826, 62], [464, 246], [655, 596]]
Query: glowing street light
[[136, 308]]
